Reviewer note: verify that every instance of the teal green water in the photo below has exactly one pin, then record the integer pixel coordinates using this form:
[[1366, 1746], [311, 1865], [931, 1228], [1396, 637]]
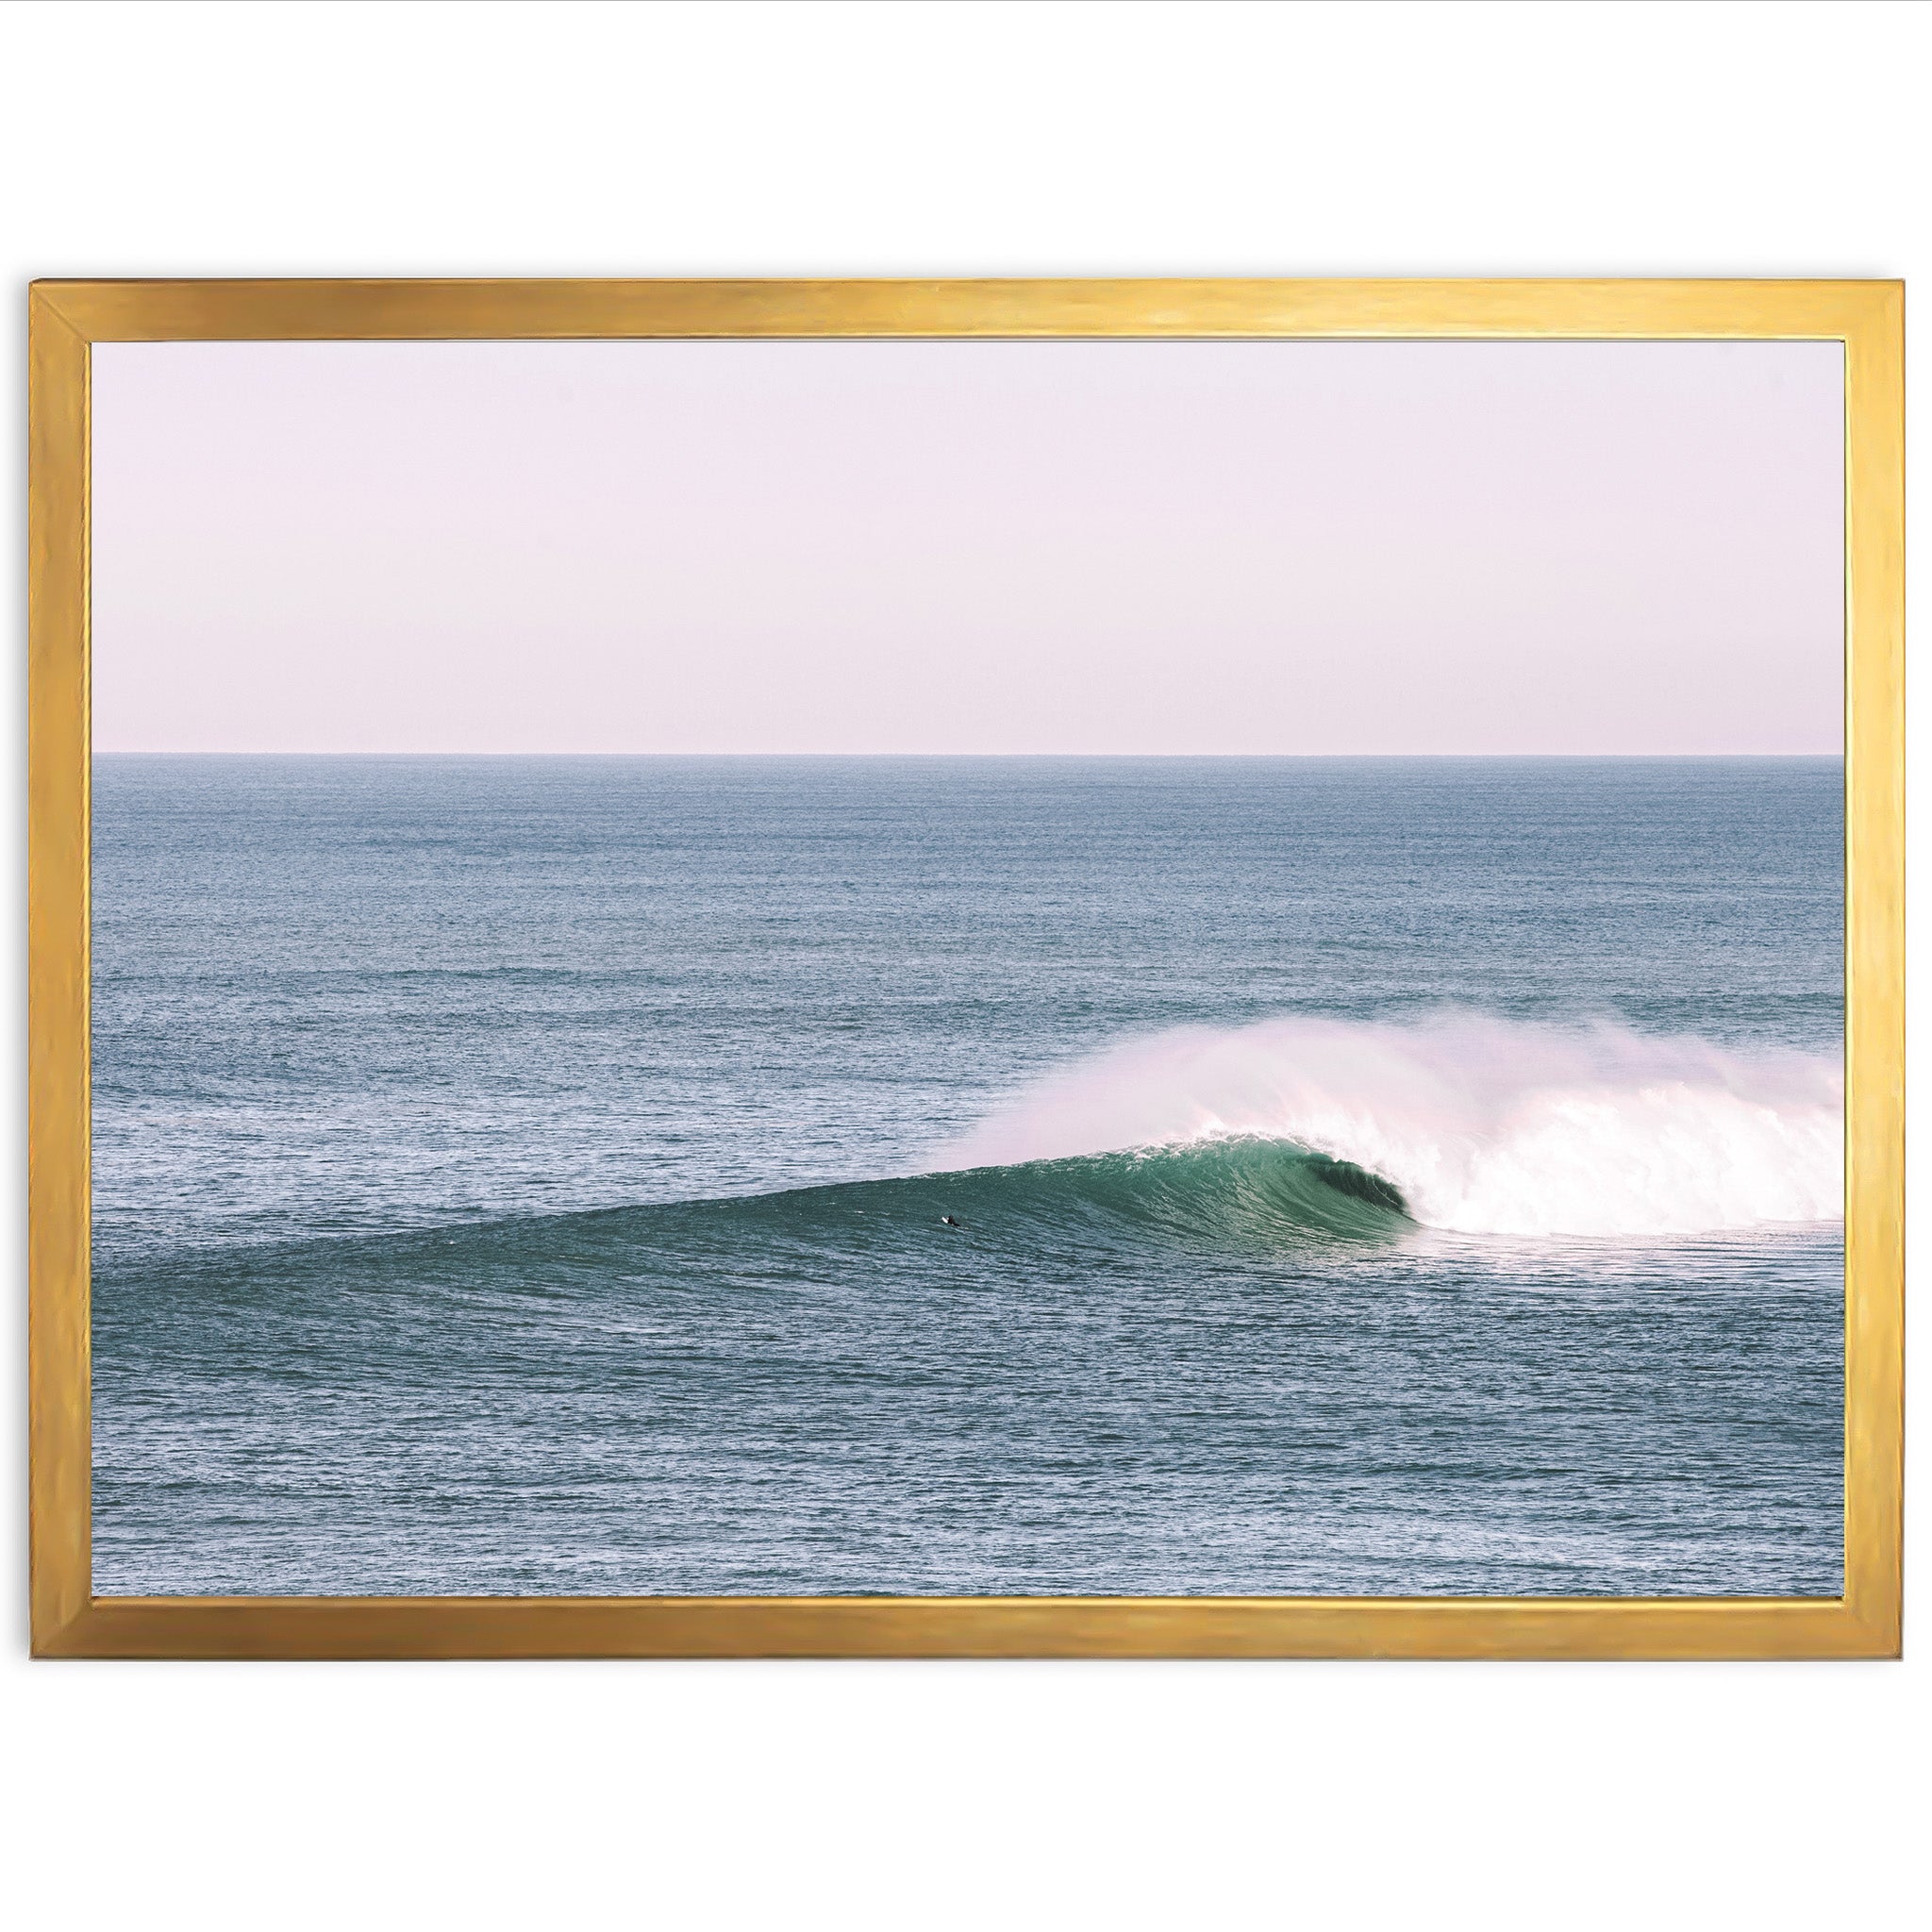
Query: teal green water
[[952, 1175]]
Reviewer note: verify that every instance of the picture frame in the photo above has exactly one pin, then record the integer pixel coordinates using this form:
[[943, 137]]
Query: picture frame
[[68, 1619]]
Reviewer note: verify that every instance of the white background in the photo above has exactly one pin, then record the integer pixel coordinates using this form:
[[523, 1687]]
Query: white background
[[1092, 139]]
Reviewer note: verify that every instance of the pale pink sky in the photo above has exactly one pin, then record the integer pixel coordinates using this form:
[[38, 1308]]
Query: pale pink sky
[[1121, 546]]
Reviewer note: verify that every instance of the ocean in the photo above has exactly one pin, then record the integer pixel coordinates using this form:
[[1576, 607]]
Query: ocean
[[1012, 1176]]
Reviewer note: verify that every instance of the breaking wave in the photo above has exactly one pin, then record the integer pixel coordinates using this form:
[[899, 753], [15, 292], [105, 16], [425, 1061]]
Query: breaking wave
[[1467, 1122]]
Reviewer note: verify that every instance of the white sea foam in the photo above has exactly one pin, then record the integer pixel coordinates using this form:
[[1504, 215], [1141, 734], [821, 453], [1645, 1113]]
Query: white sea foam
[[1487, 1125]]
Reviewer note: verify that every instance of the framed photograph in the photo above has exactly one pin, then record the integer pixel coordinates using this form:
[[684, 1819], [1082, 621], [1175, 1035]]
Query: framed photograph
[[966, 969]]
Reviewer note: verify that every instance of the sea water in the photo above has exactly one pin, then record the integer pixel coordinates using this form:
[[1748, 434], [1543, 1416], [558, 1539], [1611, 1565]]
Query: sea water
[[954, 1175]]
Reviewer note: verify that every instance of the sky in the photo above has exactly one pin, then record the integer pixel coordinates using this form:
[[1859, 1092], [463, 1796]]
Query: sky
[[992, 548]]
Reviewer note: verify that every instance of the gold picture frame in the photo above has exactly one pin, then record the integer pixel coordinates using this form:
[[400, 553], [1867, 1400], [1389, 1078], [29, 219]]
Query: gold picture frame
[[68, 1620]]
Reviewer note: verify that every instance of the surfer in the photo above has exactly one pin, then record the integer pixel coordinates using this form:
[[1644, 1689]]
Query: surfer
[[947, 1220]]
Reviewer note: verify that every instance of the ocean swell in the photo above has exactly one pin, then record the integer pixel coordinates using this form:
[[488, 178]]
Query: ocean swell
[[1481, 1124]]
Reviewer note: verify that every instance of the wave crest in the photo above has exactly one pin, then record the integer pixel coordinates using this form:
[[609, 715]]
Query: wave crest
[[1483, 1126]]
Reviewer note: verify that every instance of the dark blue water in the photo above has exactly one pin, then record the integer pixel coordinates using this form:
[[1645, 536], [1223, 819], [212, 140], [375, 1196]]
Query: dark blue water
[[526, 1175]]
